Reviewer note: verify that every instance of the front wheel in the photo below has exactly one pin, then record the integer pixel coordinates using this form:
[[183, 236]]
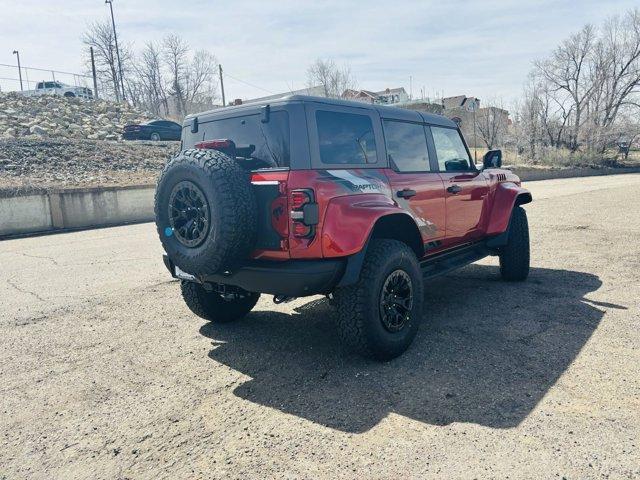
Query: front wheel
[[514, 256], [378, 317], [217, 307]]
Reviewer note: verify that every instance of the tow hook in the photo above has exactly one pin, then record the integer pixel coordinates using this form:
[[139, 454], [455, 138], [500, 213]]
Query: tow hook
[[278, 299]]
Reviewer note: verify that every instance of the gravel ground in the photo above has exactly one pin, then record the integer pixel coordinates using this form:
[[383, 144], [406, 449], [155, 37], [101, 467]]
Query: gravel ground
[[31, 164], [105, 373]]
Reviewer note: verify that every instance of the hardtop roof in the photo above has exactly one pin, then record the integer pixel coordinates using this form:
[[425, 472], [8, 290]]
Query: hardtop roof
[[393, 113]]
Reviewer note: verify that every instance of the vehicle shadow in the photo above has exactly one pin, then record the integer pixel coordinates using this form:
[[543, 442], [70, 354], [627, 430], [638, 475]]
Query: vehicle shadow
[[486, 353]]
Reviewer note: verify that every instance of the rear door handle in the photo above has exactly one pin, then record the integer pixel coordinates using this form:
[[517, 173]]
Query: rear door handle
[[406, 193], [454, 189]]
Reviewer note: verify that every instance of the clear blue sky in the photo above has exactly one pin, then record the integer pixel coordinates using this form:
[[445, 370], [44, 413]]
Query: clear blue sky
[[474, 48]]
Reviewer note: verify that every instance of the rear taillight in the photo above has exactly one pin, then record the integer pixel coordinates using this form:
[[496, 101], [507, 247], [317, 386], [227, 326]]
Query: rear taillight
[[299, 198], [214, 144], [278, 209], [301, 230], [304, 213]]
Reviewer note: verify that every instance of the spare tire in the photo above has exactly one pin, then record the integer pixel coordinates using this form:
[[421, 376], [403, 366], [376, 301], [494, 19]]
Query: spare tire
[[205, 211]]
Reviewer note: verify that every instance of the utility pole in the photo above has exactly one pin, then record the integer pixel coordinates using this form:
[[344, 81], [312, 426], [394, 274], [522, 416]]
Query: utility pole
[[475, 139], [15, 52], [93, 71], [115, 37], [222, 85], [410, 87]]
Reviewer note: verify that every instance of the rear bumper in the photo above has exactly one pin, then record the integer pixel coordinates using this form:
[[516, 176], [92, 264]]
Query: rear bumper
[[294, 278]]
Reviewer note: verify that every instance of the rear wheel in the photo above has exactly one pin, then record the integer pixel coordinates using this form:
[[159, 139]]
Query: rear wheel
[[155, 136], [378, 317], [206, 212], [217, 307], [514, 256]]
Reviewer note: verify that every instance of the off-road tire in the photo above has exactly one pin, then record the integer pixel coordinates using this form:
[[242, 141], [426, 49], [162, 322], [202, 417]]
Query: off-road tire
[[214, 307], [514, 256], [359, 321], [232, 211]]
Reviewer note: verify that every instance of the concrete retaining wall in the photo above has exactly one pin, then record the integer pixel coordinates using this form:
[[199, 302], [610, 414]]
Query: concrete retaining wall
[[101, 207], [31, 213], [75, 208]]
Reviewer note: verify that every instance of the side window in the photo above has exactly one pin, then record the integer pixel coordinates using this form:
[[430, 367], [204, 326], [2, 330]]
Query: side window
[[345, 138], [406, 146], [450, 149]]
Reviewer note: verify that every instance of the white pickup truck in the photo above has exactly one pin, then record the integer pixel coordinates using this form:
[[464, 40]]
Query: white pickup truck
[[59, 88]]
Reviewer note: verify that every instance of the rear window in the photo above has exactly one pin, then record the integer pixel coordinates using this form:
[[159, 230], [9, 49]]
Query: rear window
[[345, 138], [266, 142]]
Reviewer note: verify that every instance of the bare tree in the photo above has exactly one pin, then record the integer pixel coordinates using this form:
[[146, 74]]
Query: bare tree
[[192, 81], [333, 79], [616, 72], [149, 73], [99, 35], [528, 125], [175, 53], [492, 122], [588, 88], [201, 85], [567, 71]]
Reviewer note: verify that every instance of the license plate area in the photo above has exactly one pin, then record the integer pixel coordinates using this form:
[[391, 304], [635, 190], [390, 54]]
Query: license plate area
[[182, 275]]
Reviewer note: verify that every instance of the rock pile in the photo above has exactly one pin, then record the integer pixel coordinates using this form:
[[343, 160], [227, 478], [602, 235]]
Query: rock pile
[[29, 164], [51, 116]]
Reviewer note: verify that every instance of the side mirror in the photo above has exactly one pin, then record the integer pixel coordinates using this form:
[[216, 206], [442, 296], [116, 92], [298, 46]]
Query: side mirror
[[492, 159]]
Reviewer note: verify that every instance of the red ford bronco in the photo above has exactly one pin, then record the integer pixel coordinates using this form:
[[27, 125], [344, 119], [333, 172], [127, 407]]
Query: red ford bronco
[[306, 196]]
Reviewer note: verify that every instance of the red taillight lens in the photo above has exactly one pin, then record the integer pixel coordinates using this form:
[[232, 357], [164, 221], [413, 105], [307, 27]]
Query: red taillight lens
[[304, 213], [214, 144], [301, 230], [299, 198]]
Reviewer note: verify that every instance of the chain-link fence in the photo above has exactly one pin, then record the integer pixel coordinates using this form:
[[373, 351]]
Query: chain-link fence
[[10, 78]]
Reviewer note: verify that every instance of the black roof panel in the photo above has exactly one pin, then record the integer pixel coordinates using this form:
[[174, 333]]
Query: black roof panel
[[383, 110]]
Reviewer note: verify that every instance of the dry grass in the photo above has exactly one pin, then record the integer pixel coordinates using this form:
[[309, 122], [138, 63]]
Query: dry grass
[[553, 157]]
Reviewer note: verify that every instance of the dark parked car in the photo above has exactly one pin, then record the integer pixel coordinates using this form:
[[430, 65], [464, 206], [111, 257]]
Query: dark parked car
[[155, 130]]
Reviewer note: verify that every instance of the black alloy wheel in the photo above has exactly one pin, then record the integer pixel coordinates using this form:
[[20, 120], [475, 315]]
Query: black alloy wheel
[[396, 301], [189, 215]]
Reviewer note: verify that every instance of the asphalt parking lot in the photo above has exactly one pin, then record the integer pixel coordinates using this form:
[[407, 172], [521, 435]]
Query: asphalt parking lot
[[106, 374]]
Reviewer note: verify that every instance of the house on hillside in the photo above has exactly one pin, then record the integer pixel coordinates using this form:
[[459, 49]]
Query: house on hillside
[[388, 96], [461, 102], [461, 110], [393, 95], [365, 96]]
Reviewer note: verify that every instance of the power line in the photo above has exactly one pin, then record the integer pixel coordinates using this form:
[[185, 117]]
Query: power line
[[45, 70], [247, 83]]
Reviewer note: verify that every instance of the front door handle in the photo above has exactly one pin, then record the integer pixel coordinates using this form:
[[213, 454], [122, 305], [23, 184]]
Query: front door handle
[[406, 193], [454, 189]]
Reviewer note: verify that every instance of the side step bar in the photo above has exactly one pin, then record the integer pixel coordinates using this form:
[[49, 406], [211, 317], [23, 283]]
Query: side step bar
[[450, 260]]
